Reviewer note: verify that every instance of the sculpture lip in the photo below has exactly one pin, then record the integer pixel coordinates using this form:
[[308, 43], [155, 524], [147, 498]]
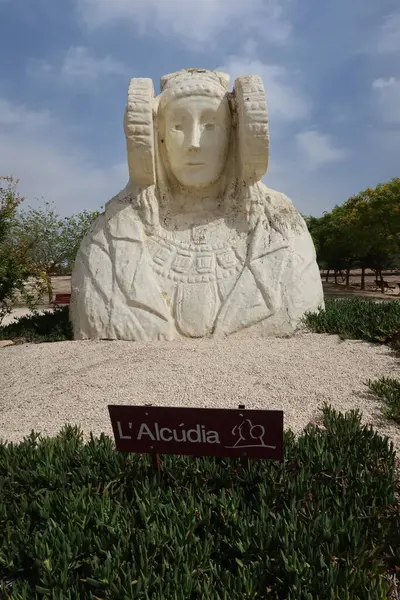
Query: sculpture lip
[[194, 163]]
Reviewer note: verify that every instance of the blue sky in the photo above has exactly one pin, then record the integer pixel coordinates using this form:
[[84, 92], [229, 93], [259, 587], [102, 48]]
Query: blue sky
[[331, 72]]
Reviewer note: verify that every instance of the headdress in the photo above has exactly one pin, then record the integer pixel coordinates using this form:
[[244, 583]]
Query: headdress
[[249, 102]]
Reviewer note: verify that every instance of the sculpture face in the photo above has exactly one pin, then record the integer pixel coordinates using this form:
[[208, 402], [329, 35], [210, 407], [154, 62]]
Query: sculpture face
[[197, 131]]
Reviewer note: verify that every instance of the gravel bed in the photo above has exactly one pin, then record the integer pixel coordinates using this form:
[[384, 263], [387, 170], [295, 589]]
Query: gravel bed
[[44, 386]]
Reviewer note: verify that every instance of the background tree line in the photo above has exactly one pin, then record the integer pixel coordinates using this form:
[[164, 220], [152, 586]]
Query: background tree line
[[363, 233], [37, 243]]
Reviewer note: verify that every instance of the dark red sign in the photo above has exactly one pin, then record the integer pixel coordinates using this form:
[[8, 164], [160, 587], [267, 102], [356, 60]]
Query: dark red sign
[[198, 431]]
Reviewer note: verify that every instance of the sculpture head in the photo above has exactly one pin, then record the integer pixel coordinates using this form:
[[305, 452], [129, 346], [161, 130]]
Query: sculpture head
[[196, 123]]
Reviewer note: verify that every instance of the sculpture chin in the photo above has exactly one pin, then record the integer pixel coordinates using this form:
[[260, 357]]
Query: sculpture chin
[[197, 175]]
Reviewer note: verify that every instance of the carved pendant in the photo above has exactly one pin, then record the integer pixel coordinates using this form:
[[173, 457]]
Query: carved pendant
[[196, 307], [198, 233]]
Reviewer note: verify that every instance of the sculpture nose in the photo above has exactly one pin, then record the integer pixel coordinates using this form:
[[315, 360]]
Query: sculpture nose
[[194, 138]]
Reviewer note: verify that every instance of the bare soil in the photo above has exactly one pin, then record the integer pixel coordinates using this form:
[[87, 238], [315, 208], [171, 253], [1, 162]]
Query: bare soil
[[340, 290]]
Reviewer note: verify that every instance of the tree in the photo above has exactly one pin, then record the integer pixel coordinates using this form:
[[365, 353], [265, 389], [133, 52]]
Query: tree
[[363, 232], [332, 242], [15, 267], [376, 227], [53, 241], [73, 231]]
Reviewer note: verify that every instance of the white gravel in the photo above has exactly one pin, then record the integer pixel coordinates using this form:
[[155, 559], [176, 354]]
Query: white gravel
[[44, 386]]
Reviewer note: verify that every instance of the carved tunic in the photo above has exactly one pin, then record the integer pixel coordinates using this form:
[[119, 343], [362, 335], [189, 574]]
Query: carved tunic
[[194, 274], [195, 281]]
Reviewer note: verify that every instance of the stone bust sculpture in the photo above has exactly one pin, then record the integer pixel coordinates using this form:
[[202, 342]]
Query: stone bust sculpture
[[195, 245]]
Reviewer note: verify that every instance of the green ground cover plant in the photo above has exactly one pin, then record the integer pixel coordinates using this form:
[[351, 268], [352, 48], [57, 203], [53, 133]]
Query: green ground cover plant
[[357, 318], [387, 389], [40, 327], [80, 520]]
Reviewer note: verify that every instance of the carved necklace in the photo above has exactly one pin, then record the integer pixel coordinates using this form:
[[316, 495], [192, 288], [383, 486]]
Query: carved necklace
[[195, 260]]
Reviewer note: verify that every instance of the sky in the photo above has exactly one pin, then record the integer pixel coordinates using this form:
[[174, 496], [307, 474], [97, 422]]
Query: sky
[[331, 71]]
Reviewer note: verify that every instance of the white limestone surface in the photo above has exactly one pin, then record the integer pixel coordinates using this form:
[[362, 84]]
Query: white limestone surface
[[195, 245]]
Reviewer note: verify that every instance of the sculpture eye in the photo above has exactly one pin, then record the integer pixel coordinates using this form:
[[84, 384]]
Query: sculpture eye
[[178, 127], [209, 126]]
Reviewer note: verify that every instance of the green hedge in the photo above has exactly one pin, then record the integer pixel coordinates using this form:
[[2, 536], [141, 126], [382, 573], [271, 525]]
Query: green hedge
[[356, 318], [50, 326], [81, 521]]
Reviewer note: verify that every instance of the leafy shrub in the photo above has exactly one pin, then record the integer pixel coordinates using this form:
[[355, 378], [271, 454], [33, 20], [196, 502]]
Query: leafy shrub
[[15, 267], [357, 318], [53, 241], [40, 327], [80, 520], [388, 390]]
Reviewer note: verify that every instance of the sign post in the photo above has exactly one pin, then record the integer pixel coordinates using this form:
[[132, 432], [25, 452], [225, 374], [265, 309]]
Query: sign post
[[230, 433]]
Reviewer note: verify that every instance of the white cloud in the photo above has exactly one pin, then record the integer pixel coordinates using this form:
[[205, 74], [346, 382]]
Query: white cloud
[[286, 102], [194, 21], [387, 96], [78, 66], [382, 83], [34, 148], [20, 116], [389, 34], [319, 149]]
